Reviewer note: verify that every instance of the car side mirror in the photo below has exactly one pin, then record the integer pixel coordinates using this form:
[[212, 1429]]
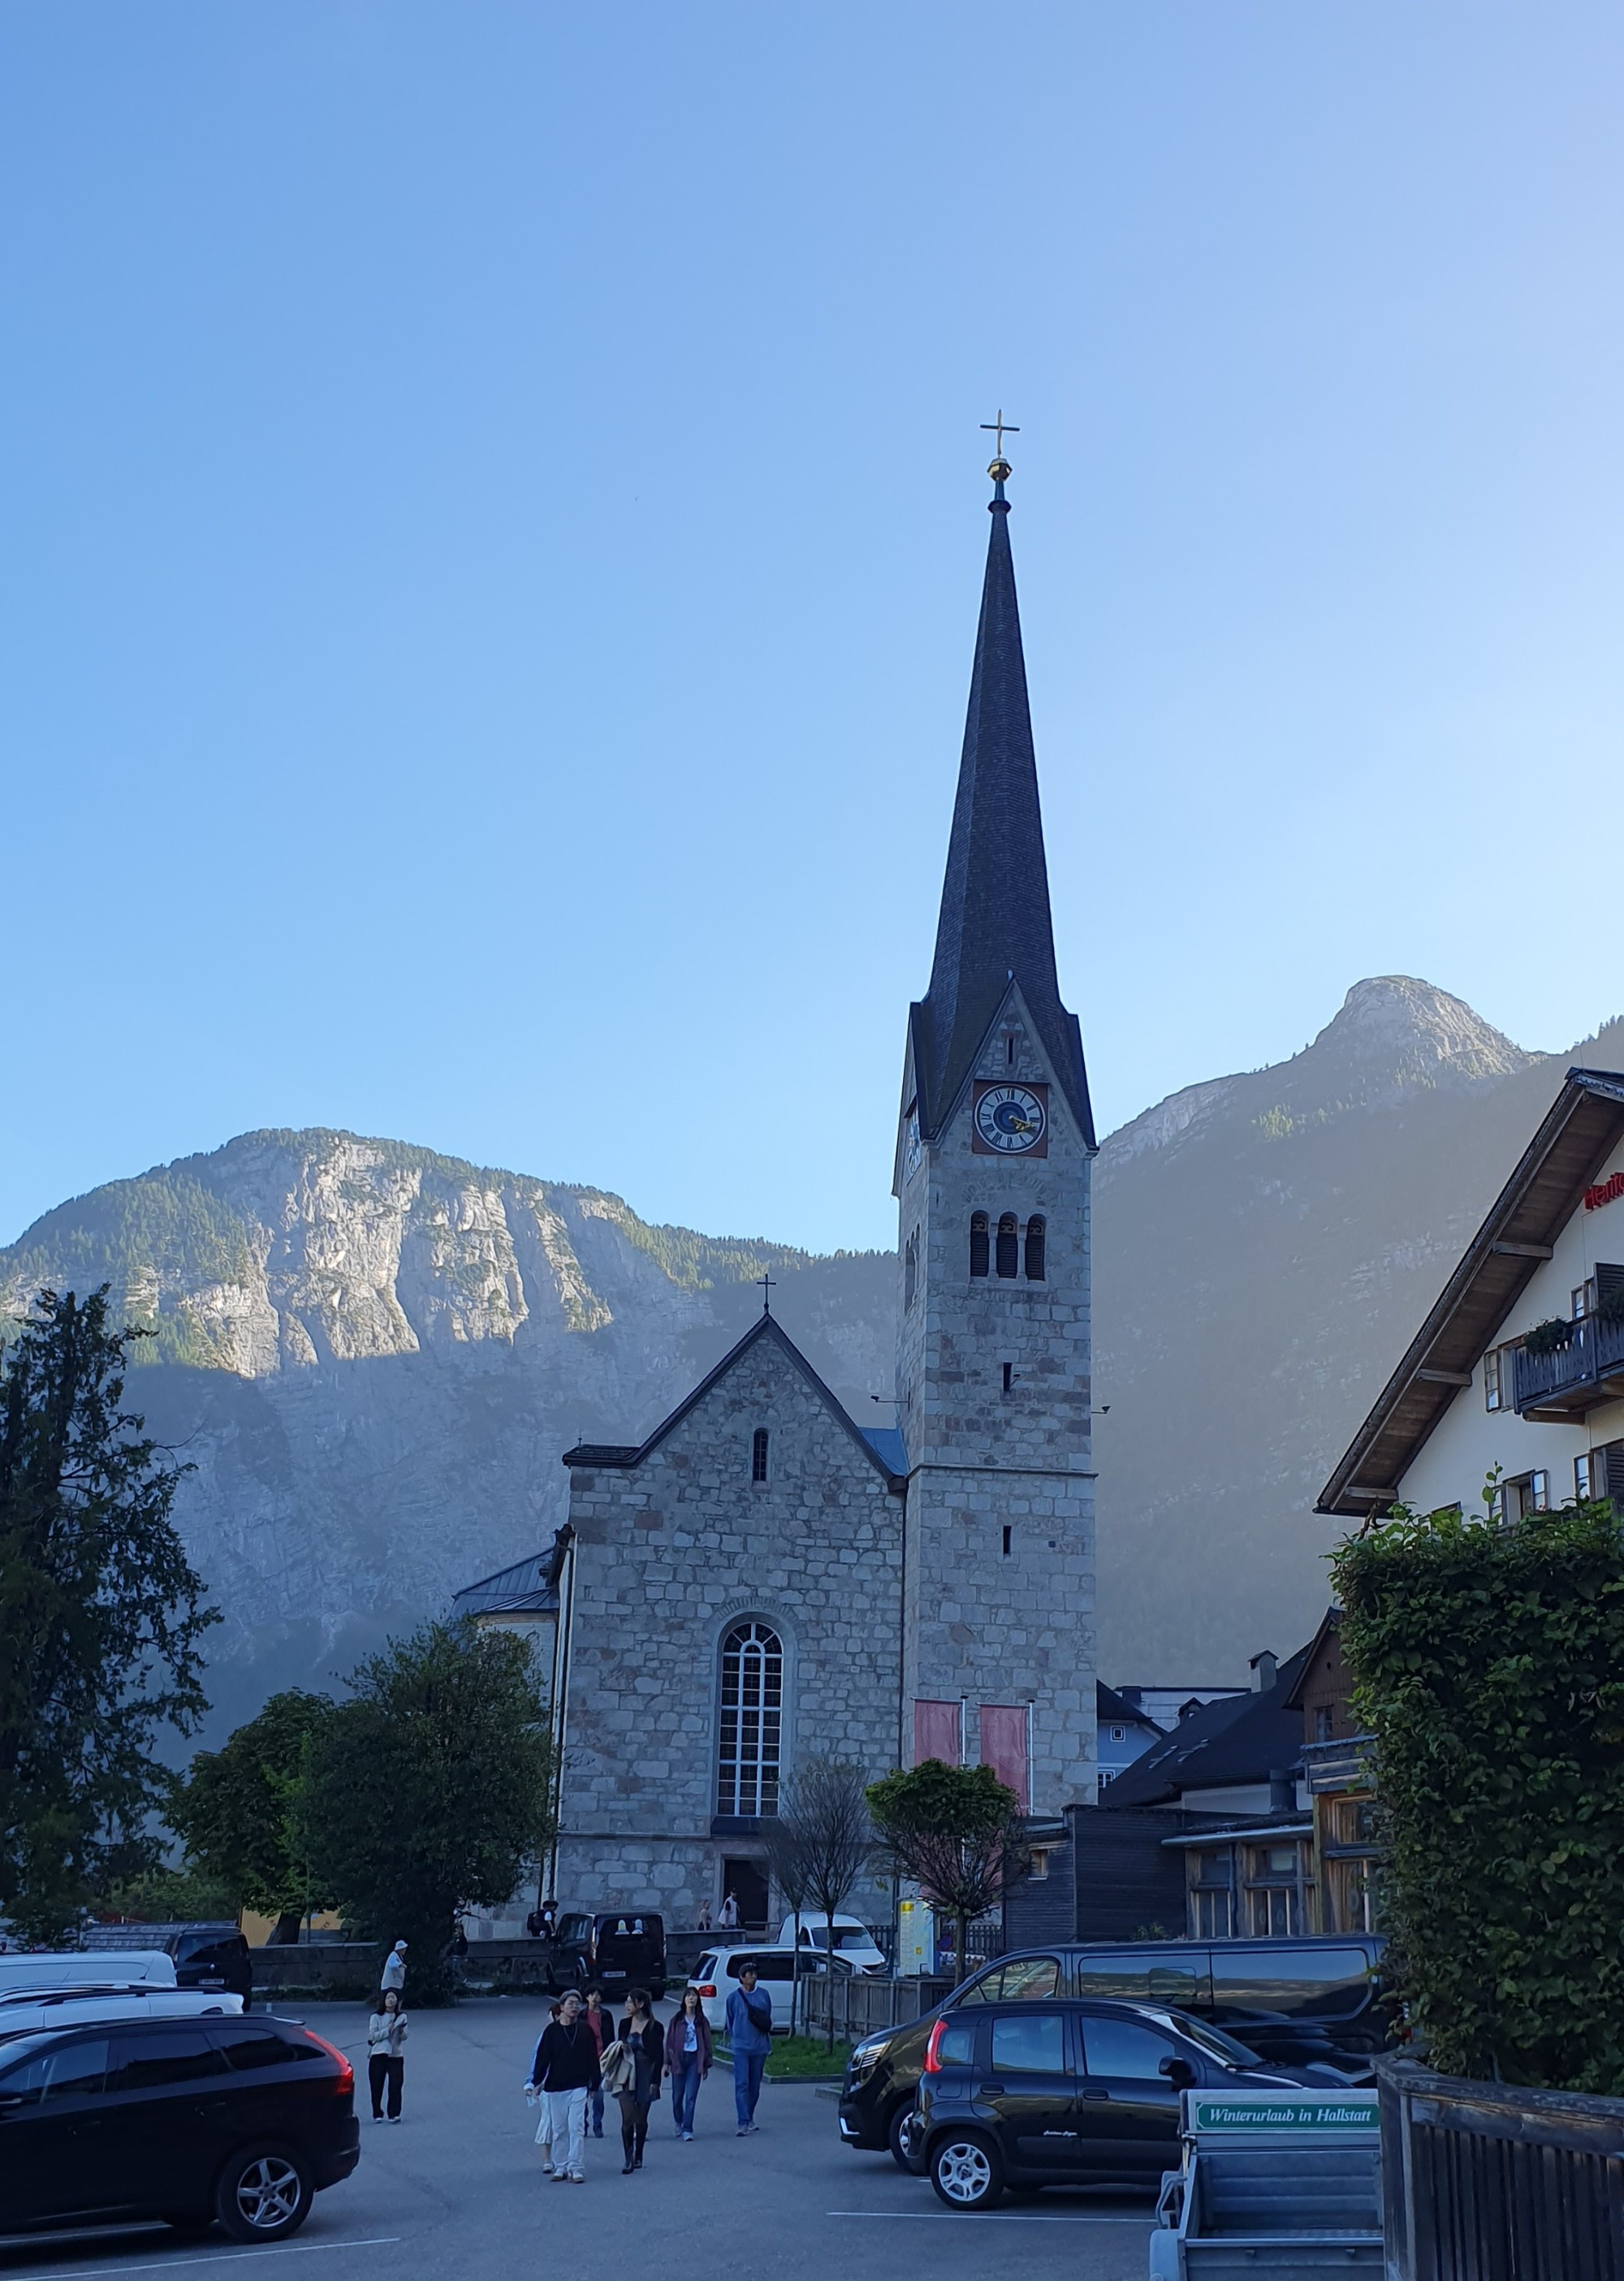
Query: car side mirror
[[1179, 2072]]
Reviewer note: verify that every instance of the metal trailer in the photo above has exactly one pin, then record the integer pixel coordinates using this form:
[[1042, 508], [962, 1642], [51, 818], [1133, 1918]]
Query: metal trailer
[[1284, 2182]]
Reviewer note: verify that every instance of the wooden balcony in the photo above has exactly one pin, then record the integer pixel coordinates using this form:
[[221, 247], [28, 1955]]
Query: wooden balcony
[[1588, 1370]]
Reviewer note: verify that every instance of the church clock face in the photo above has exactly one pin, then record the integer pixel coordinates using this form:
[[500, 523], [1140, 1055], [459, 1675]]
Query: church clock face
[[912, 1150], [1010, 1120]]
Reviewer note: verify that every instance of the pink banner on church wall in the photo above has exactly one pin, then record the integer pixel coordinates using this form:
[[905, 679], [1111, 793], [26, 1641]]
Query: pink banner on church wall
[[1003, 1747], [936, 1733]]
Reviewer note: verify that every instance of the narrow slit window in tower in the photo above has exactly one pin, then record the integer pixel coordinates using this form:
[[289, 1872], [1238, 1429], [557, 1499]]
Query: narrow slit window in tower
[[758, 1454], [1035, 1232], [977, 1243], [1009, 1533], [1009, 1376], [1009, 1245]]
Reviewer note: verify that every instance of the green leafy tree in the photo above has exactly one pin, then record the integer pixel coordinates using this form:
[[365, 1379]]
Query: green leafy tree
[[237, 1812], [430, 1791], [1489, 1669], [957, 1833], [100, 1617]]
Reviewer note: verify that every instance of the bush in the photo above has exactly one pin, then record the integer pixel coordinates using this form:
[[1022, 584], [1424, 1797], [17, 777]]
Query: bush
[[1488, 1667]]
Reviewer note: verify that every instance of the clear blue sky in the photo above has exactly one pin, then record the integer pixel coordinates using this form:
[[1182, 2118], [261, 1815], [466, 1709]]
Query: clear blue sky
[[494, 525]]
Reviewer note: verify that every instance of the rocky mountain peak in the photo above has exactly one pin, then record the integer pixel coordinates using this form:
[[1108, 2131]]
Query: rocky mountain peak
[[1397, 1026]]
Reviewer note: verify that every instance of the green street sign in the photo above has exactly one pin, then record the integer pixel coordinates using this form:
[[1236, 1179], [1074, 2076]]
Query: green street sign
[[1286, 2114]]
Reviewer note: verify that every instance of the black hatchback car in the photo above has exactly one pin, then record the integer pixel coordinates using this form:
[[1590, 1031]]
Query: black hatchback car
[[1294, 2002], [194, 2121], [1068, 2094]]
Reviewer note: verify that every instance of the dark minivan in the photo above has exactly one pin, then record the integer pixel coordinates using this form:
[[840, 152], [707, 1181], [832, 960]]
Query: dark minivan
[[1293, 2002], [236, 2120], [1069, 2094], [620, 1949], [205, 1955]]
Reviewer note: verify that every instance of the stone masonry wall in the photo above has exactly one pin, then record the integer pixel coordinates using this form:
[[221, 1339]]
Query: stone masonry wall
[[671, 1554], [984, 1624]]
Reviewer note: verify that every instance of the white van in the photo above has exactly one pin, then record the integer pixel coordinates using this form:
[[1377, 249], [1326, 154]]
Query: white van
[[24, 2010], [59, 1968], [852, 1940]]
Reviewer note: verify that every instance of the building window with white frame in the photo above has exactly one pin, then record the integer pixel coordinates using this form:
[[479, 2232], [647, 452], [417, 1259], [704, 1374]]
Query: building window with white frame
[[1493, 1394], [752, 1721], [1584, 1476]]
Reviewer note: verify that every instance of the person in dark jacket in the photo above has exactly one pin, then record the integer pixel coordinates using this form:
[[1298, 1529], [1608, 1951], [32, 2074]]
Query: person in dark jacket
[[639, 2032], [566, 2072], [598, 2019], [687, 2059]]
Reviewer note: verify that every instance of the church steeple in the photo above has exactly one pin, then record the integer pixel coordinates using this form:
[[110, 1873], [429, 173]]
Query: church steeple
[[995, 924]]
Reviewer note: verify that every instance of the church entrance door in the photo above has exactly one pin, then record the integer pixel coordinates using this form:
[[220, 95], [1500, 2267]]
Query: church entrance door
[[746, 1881]]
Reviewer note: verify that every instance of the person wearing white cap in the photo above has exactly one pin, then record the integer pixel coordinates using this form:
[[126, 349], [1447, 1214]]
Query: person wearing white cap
[[394, 1969]]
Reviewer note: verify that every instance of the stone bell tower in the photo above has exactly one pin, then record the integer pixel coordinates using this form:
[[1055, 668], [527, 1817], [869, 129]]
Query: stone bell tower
[[994, 1154]]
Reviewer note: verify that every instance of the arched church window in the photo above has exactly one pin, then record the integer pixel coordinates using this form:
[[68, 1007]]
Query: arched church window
[[752, 1721], [1009, 1245], [910, 1270], [977, 1243], [1035, 1234], [758, 1454]]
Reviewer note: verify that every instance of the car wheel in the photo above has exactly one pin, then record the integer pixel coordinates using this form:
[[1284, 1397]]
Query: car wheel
[[263, 2194], [898, 2128], [965, 2171]]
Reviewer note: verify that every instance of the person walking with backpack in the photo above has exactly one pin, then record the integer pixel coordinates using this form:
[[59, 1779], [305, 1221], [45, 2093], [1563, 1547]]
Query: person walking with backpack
[[687, 2059], [641, 2043], [749, 2032], [386, 2035], [566, 2071]]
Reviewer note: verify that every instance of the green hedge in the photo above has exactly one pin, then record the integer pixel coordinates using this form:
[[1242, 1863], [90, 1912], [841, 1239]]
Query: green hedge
[[1488, 1664]]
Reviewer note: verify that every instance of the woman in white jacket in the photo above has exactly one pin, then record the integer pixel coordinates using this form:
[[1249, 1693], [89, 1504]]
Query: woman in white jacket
[[386, 2035]]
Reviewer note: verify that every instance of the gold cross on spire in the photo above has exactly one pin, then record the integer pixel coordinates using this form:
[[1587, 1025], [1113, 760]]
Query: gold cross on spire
[[1001, 428]]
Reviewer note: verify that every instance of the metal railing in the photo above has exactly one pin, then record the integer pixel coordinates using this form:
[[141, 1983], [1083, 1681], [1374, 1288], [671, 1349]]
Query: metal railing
[[861, 2006], [1490, 2182]]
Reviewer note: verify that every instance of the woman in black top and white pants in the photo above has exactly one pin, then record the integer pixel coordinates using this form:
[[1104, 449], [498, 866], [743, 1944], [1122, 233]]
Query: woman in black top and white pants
[[644, 2044]]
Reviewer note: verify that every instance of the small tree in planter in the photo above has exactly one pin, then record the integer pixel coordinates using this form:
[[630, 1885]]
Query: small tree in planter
[[957, 1833], [822, 1841]]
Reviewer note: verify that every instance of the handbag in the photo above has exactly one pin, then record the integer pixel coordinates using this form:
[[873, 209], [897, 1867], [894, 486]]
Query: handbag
[[619, 2069]]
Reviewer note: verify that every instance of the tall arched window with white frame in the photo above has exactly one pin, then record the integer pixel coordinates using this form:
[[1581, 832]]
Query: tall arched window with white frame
[[752, 1732]]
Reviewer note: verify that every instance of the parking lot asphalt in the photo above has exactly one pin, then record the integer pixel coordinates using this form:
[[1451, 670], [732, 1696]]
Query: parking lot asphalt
[[456, 2190]]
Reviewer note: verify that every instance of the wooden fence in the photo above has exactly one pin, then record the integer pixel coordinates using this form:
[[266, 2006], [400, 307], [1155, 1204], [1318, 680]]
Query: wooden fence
[[1487, 2182], [862, 2005]]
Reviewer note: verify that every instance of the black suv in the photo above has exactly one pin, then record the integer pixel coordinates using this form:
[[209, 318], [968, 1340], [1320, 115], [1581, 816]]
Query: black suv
[[194, 2121], [205, 1955], [1068, 2094], [620, 1949], [1294, 2002]]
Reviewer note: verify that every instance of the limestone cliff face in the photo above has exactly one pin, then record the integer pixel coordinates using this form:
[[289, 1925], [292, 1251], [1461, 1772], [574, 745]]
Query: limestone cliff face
[[373, 1356]]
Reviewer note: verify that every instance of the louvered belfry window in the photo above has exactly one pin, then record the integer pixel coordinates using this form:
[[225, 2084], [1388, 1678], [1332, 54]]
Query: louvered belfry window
[[1009, 1245], [752, 1721], [978, 1261], [1035, 1234]]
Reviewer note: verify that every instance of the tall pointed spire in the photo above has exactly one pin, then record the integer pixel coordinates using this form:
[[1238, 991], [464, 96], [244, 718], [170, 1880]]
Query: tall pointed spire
[[996, 926]]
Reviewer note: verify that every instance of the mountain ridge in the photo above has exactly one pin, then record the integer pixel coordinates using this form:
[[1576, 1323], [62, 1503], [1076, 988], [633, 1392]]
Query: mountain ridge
[[375, 1353]]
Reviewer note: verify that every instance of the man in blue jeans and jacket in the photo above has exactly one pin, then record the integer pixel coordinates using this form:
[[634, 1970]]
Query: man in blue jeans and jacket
[[749, 2032]]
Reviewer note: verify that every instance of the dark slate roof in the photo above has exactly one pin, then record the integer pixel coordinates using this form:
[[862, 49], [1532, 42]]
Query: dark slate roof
[[529, 1588], [888, 1446], [995, 927], [1578, 1134], [1241, 1738], [615, 1455], [1115, 1710]]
